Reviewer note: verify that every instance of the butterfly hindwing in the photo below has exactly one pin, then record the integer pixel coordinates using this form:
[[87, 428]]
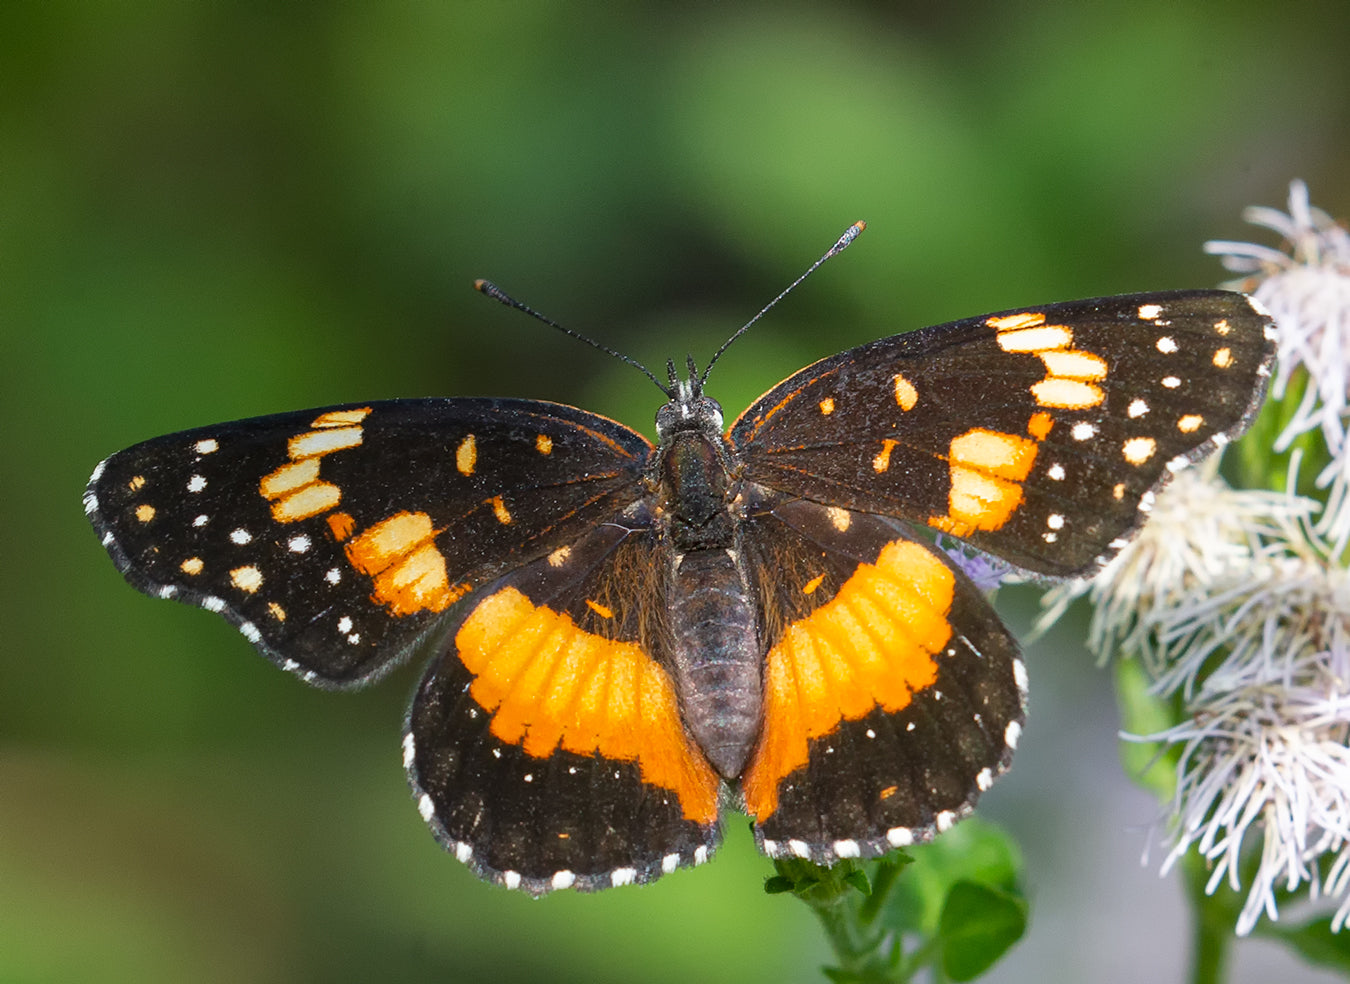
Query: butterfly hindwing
[[893, 693], [335, 538], [1034, 434], [546, 745]]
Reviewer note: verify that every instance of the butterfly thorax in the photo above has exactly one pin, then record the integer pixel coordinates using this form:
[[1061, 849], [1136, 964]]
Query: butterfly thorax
[[715, 658]]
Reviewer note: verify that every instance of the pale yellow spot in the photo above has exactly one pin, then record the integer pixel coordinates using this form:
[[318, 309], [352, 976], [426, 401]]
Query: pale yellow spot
[[1223, 327], [543, 444], [1138, 450], [247, 579], [309, 501], [986, 468], [602, 610], [1010, 321], [500, 511], [1118, 491], [145, 512], [466, 455], [883, 460], [1074, 364], [1190, 423], [1068, 394], [341, 418], [1223, 358], [977, 501], [839, 518], [999, 454], [1040, 339], [289, 478], [827, 405], [193, 566], [400, 554], [276, 611], [1149, 311], [137, 483], [906, 396], [320, 442], [207, 446], [559, 556]]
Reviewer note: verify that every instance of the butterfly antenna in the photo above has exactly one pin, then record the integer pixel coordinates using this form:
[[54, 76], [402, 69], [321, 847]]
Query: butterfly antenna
[[850, 234], [497, 294]]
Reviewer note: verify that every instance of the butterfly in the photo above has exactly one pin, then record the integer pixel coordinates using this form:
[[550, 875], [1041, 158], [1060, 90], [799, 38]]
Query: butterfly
[[627, 638]]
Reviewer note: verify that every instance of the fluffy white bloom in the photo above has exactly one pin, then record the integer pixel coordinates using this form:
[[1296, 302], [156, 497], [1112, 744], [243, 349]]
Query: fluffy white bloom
[[1306, 288], [1237, 601]]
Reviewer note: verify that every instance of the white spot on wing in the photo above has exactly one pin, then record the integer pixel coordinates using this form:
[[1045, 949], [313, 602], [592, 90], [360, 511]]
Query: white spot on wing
[[511, 879], [622, 876], [250, 632], [847, 849], [196, 483], [240, 536], [563, 879], [426, 808], [1011, 734], [899, 837], [463, 852], [1083, 431], [669, 863], [409, 750], [944, 821], [983, 780]]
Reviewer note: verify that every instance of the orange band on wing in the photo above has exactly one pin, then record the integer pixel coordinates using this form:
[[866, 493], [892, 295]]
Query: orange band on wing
[[548, 684], [872, 645]]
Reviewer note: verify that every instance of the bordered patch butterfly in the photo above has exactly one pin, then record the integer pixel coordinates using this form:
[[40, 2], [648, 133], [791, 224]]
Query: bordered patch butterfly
[[626, 637]]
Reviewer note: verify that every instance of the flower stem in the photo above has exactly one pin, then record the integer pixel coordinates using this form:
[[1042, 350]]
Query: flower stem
[[1211, 926]]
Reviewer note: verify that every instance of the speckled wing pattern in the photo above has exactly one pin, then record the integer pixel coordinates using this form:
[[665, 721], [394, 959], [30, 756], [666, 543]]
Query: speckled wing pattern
[[527, 548]]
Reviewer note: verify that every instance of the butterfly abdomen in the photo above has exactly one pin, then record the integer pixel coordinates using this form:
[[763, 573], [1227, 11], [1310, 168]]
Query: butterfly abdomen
[[716, 657]]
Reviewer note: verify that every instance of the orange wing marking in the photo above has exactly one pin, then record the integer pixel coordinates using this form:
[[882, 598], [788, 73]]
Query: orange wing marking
[[1071, 374], [986, 469], [400, 554], [872, 645], [295, 489], [548, 684]]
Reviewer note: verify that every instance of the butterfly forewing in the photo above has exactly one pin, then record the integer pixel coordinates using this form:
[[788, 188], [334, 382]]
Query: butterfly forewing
[[1033, 434], [335, 538]]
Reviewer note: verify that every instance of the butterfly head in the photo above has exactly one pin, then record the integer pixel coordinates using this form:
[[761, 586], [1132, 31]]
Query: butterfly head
[[687, 408]]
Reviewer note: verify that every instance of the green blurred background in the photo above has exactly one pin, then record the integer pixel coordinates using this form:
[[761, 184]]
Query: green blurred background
[[214, 211]]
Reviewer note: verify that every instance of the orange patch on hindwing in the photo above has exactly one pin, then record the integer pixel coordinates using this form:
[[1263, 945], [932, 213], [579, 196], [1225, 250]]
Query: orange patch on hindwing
[[872, 645], [548, 684]]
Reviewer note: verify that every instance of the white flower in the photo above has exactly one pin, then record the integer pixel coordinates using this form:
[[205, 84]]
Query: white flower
[[1307, 291], [1265, 761], [1164, 592]]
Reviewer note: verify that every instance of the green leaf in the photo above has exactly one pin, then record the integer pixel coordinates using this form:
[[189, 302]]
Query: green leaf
[[973, 850], [1314, 942], [979, 924], [1149, 764]]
